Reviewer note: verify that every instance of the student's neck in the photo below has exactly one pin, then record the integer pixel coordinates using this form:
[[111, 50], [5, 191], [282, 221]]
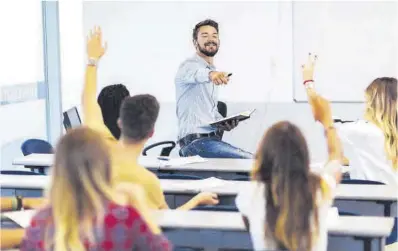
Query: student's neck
[[133, 148], [208, 59]]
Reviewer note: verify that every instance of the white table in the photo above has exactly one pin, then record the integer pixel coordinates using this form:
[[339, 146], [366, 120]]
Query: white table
[[223, 168], [226, 227], [46, 160], [214, 230], [183, 190]]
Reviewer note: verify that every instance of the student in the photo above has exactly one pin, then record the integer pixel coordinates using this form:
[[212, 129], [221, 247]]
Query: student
[[110, 100], [286, 205], [138, 115], [85, 211], [371, 145]]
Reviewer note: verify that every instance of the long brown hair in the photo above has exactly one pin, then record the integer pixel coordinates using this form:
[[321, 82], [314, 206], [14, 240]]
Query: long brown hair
[[81, 182], [282, 164], [381, 99]]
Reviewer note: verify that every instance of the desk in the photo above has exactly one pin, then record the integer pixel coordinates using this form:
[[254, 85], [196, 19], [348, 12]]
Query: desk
[[179, 191], [46, 160], [221, 168], [216, 230], [225, 230]]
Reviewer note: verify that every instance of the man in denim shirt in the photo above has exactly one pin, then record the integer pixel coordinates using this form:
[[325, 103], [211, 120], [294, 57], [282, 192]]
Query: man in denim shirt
[[197, 82]]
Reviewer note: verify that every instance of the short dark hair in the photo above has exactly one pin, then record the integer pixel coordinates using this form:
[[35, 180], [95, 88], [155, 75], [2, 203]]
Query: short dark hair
[[110, 100], [138, 115], [207, 22]]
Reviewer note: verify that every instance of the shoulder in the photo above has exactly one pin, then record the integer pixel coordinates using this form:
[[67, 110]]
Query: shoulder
[[250, 196], [191, 61], [42, 217], [359, 127]]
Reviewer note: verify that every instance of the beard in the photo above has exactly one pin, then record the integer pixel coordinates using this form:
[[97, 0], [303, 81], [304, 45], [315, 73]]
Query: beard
[[206, 52]]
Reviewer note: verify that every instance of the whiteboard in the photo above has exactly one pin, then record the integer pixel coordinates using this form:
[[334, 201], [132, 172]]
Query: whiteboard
[[148, 40], [356, 43]]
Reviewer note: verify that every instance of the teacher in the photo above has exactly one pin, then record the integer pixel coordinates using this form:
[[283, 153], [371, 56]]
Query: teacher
[[197, 82]]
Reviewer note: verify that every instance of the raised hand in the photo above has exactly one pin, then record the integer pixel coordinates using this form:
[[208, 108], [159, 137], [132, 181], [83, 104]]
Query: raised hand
[[308, 68], [95, 48]]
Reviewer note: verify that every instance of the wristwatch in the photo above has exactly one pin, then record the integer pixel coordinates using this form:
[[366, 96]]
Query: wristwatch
[[92, 62]]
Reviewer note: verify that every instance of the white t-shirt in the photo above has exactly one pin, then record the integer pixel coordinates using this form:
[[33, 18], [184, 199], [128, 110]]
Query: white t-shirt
[[363, 145], [251, 203]]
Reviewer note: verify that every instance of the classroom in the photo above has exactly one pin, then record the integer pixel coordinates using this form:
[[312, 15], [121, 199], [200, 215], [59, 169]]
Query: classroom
[[199, 125]]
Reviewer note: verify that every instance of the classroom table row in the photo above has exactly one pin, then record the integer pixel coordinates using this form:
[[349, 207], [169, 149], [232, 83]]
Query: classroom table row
[[205, 168], [225, 230], [376, 200]]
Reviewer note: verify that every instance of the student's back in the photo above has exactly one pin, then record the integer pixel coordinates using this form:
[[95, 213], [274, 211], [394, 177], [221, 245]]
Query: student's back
[[85, 210], [372, 145], [123, 230], [286, 206], [364, 145]]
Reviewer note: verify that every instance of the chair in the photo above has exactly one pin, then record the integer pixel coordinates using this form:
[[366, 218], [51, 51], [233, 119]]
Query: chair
[[222, 109], [178, 177], [31, 146]]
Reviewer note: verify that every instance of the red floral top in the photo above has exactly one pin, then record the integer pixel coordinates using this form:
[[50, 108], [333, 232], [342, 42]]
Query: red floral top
[[123, 229]]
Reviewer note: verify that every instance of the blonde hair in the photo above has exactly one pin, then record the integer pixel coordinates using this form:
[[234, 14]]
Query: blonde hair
[[381, 97], [81, 183]]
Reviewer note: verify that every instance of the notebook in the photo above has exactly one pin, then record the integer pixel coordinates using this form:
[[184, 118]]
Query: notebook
[[240, 117]]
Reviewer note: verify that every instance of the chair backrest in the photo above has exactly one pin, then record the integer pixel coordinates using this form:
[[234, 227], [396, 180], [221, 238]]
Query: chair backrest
[[361, 182], [36, 146], [222, 108]]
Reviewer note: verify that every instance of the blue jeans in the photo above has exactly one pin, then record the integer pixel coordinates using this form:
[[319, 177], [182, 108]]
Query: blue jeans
[[213, 148]]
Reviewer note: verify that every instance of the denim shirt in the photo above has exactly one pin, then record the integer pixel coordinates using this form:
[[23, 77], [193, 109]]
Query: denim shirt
[[197, 97]]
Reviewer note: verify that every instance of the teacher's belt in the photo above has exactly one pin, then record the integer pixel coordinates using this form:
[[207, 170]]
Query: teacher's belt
[[191, 137]]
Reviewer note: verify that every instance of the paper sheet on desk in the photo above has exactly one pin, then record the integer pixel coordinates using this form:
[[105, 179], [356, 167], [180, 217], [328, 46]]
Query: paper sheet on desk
[[181, 161], [203, 185], [22, 218]]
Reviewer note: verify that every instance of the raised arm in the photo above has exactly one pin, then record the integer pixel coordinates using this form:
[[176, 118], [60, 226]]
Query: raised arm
[[91, 109], [322, 113]]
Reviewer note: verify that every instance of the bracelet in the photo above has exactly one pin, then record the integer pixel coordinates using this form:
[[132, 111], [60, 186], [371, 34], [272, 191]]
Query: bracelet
[[92, 62], [309, 84], [19, 203]]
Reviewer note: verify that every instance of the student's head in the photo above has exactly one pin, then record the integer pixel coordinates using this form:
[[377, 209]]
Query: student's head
[[205, 37], [282, 164], [81, 181], [110, 100], [138, 115], [382, 109]]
